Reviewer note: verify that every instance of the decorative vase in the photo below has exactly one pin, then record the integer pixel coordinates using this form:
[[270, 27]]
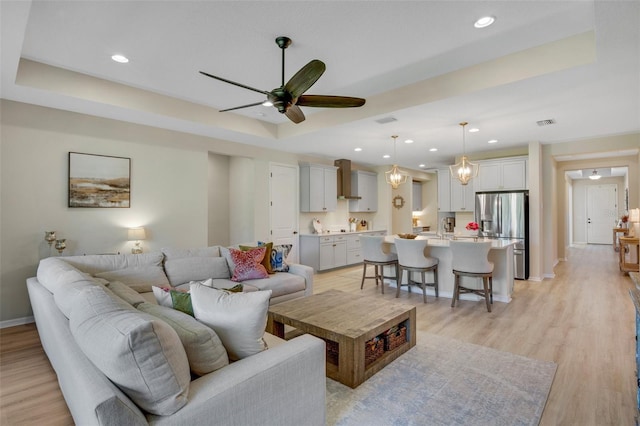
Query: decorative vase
[[352, 227]]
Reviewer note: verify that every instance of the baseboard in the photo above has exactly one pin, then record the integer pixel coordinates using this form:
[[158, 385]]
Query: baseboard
[[537, 279], [550, 276], [17, 321]]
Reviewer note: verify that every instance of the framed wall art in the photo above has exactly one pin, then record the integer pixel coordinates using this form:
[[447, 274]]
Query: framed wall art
[[99, 181]]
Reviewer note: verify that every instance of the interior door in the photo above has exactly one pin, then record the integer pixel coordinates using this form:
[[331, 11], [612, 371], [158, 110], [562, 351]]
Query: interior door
[[283, 189], [602, 211]]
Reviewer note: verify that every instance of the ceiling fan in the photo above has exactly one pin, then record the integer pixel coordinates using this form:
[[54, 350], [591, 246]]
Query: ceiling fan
[[289, 97]]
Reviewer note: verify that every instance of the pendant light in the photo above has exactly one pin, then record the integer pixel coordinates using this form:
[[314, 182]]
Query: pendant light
[[594, 175], [395, 177], [465, 170]]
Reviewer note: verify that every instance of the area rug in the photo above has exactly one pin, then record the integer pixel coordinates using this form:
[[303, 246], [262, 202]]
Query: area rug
[[442, 381]]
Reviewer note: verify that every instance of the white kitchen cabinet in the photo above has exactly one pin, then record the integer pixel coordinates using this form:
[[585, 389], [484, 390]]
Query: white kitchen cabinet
[[416, 196], [364, 185], [444, 190], [504, 174], [462, 196], [318, 188], [329, 251]]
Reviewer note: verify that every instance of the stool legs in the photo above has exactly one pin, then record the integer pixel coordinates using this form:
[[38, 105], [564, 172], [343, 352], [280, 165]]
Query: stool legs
[[486, 292]]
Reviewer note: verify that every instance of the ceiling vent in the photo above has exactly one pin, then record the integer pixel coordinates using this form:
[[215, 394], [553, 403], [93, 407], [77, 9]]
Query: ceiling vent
[[546, 122], [385, 120]]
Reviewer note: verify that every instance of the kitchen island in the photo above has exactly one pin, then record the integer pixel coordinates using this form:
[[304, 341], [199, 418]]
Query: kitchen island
[[501, 254]]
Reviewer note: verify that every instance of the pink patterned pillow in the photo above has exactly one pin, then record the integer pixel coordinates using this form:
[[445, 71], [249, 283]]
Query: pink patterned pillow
[[248, 265]]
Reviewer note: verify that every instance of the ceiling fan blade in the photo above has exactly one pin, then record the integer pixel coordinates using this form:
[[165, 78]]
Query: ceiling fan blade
[[304, 78], [295, 114], [234, 83], [239, 107], [328, 101]]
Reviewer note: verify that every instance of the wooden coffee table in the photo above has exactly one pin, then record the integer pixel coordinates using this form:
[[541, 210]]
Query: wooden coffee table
[[350, 324]]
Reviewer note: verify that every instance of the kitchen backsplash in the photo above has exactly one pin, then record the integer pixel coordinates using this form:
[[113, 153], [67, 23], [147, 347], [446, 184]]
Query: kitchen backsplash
[[334, 221]]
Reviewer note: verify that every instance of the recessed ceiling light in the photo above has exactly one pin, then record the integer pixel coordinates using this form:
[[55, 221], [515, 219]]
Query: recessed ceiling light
[[474, 130], [267, 103], [386, 156], [120, 58], [358, 149], [484, 22], [408, 141], [493, 141], [422, 166], [433, 149]]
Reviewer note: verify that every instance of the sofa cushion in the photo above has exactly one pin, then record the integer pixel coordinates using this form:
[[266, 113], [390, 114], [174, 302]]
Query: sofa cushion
[[247, 264], [185, 265], [204, 349], [126, 293], [139, 278], [279, 255], [239, 319], [141, 354], [280, 283], [96, 263]]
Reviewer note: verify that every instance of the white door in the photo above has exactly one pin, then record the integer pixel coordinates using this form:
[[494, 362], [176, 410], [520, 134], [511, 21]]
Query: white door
[[602, 210], [283, 189]]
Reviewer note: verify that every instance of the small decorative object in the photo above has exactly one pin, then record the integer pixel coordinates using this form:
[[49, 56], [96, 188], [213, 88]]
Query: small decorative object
[[317, 226], [50, 237], [136, 234], [361, 226], [61, 245], [407, 236], [624, 221], [352, 224], [99, 181], [472, 226], [398, 202]]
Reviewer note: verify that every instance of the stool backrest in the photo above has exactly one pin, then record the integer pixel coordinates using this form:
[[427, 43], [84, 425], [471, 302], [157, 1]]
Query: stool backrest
[[373, 248], [471, 256], [411, 253]]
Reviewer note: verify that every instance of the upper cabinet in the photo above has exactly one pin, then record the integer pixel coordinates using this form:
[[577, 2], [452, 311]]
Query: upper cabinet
[[416, 196], [365, 185], [444, 190], [318, 188], [506, 174]]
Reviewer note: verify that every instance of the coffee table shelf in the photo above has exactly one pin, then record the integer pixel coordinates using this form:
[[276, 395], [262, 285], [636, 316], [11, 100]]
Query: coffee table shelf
[[346, 321]]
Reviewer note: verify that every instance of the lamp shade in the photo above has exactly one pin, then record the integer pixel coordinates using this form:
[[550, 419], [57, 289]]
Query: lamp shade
[[136, 234], [634, 215]]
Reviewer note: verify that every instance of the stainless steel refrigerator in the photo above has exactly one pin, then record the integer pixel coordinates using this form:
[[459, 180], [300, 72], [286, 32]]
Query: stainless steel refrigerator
[[505, 215]]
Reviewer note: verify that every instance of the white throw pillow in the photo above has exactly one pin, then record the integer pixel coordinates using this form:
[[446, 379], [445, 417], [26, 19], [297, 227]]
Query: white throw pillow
[[239, 319]]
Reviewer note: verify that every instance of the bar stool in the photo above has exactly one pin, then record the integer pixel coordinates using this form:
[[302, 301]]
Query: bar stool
[[411, 258], [377, 253], [470, 259]]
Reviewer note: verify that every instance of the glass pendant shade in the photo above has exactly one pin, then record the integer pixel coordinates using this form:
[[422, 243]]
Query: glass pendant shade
[[464, 170], [395, 177]]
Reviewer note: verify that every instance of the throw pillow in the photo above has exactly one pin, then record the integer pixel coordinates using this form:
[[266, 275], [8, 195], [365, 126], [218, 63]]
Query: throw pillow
[[204, 349], [175, 299], [279, 256], [239, 319], [247, 264], [266, 260], [141, 354], [141, 279]]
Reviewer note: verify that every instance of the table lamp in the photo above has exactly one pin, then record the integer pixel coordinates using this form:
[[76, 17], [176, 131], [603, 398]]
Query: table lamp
[[136, 234]]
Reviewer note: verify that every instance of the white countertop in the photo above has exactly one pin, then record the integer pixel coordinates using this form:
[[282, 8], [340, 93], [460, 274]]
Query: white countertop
[[498, 244], [325, 233]]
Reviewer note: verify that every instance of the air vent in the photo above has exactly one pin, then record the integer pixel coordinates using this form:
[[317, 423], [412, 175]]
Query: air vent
[[385, 120], [546, 122]]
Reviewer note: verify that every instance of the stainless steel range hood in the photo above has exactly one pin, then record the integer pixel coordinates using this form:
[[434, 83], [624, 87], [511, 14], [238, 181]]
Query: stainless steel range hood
[[344, 180]]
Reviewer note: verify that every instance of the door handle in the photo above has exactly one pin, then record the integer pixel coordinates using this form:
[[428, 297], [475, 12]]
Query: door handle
[[295, 232]]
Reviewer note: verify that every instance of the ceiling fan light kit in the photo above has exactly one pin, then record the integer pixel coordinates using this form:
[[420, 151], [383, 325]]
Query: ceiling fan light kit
[[289, 97], [464, 170]]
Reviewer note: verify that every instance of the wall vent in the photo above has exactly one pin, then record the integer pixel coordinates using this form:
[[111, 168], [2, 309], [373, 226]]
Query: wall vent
[[385, 120], [546, 122]]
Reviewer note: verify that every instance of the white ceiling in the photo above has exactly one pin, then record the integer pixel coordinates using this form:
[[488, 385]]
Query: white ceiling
[[421, 62]]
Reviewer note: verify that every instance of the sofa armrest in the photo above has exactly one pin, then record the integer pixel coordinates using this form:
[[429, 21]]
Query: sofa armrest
[[305, 272], [284, 385]]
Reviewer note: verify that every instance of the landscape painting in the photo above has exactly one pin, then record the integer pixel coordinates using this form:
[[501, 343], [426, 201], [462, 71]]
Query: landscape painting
[[99, 181]]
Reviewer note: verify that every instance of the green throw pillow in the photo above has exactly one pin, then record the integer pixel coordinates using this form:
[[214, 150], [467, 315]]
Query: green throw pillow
[[181, 302]]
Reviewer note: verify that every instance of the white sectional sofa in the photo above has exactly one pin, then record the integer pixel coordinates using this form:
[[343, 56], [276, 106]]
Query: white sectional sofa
[[118, 364]]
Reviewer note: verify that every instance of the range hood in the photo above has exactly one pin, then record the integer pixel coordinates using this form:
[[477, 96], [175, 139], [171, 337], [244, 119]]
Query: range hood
[[344, 180]]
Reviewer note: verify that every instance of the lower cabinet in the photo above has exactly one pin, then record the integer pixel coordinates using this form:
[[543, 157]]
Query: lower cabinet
[[323, 252]]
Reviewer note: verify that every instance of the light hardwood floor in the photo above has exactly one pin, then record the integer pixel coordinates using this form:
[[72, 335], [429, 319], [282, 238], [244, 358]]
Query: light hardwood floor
[[583, 320]]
